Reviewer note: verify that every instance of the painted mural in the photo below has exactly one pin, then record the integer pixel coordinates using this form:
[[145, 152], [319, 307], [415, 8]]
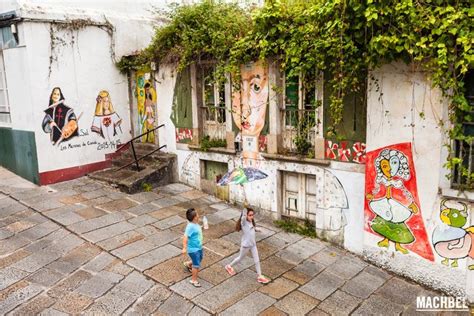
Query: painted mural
[[60, 121], [106, 121], [392, 207], [453, 238], [345, 151], [249, 107], [146, 103], [182, 113]]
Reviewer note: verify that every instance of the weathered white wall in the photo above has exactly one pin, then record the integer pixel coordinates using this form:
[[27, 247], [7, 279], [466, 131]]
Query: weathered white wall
[[408, 109]]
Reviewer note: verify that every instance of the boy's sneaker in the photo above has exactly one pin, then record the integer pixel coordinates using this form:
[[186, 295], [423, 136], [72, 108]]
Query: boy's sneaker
[[263, 279], [230, 270], [195, 283]]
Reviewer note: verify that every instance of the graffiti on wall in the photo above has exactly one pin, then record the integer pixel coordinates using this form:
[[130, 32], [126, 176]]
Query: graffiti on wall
[[249, 107], [181, 112], [146, 103], [392, 208], [59, 121], [106, 121], [184, 135], [453, 238], [345, 151]]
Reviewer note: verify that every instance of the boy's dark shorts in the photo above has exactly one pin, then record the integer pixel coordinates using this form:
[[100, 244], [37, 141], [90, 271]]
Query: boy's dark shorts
[[196, 258]]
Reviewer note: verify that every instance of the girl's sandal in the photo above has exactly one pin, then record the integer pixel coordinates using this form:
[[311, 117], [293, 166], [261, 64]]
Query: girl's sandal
[[195, 284]]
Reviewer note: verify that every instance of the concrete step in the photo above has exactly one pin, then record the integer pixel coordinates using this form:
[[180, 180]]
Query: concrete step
[[160, 168]]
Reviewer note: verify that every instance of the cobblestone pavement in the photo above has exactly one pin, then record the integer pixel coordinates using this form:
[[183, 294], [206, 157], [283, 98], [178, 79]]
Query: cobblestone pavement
[[82, 247]]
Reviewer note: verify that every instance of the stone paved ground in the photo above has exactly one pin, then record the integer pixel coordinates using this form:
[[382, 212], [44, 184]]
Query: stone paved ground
[[82, 247]]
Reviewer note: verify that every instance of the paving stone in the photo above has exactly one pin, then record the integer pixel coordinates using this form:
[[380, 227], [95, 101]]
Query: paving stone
[[265, 250], [99, 262], [119, 268], [339, 303], [142, 209], [149, 302], [298, 251], [166, 212], [273, 267], [134, 249], [75, 259], [118, 205], [40, 204], [363, 285], [14, 257], [328, 255], [94, 287], [93, 194], [193, 194], [142, 220], [169, 222], [47, 241], [36, 261], [317, 312], [18, 297], [189, 291], [222, 247], [66, 215], [90, 213], [163, 237], [310, 268], [45, 277], [113, 303], [147, 230], [69, 284], [197, 311], [108, 232], [39, 231], [145, 197], [65, 244], [347, 267], [223, 215], [96, 223], [296, 276], [278, 242], [35, 306], [120, 240], [169, 272], [297, 303], [322, 285], [72, 199], [399, 291], [279, 288], [228, 292], [251, 305], [10, 275], [135, 283], [97, 202], [272, 311], [175, 305], [219, 230], [165, 202], [72, 303], [19, 226], [376, 303], [214, 274], [12, 244], [220, 206], [377, 272]]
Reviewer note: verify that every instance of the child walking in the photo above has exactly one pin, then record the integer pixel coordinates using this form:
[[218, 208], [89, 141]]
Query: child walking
[[248, 243], [192, 245]]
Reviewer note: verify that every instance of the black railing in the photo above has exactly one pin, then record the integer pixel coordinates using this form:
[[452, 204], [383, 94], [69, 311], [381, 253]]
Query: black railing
[[136, 160]]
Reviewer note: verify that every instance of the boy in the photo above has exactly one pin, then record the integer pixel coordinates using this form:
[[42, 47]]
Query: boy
[[192, 244]]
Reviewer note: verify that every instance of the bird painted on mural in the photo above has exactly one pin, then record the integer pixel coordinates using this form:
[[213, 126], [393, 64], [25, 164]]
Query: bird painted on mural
[[450, 240]]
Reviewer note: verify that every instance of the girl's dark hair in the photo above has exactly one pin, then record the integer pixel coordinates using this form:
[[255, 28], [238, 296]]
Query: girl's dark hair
[[51, 95], [238, 224], [191, 214]]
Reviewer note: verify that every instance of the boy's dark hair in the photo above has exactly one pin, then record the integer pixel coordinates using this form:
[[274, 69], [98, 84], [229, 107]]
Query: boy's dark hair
[[238, 224], [191, 214]]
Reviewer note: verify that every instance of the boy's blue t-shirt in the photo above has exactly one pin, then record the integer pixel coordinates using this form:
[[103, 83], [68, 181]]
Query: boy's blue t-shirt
[[194, 233]]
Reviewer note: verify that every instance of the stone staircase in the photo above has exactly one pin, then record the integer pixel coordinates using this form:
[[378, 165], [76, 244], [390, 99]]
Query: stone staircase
[[159, 168]]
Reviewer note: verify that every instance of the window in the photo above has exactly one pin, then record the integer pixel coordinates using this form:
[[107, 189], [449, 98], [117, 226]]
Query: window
[[213, 105], [7, 37], [349, 146], [4, 104], [463, 149], [299, 115], [299, 196]]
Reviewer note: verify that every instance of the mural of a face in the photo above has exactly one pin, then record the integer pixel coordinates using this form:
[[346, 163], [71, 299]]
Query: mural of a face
[[250, 103], [56, 95]]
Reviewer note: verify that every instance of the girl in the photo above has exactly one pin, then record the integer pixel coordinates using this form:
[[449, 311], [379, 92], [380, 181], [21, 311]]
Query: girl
[[247, 225]]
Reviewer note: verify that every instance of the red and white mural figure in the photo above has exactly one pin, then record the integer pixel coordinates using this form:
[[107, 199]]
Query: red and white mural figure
[[392, 208]]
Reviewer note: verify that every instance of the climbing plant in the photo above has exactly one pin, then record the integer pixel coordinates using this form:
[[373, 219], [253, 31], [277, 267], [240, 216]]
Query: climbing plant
[[342, 38]]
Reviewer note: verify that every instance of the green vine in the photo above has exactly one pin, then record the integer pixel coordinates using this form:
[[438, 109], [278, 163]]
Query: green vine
[[341, 38]]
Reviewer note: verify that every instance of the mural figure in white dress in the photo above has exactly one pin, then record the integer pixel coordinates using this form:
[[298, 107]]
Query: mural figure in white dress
[[106, 121]]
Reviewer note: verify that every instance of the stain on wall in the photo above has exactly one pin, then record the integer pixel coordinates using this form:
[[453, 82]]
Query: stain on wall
[[453, 238], [392, 207], [59, 121]]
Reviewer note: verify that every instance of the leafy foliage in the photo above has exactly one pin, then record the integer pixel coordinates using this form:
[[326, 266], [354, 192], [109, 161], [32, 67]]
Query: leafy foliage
[[292, 226], [206, 143], [343, 38]]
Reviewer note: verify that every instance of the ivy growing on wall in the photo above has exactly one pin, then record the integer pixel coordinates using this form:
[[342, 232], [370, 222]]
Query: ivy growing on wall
[[343, 38]]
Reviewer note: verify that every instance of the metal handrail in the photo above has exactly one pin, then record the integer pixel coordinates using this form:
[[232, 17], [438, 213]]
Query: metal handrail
[[133, 149]]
